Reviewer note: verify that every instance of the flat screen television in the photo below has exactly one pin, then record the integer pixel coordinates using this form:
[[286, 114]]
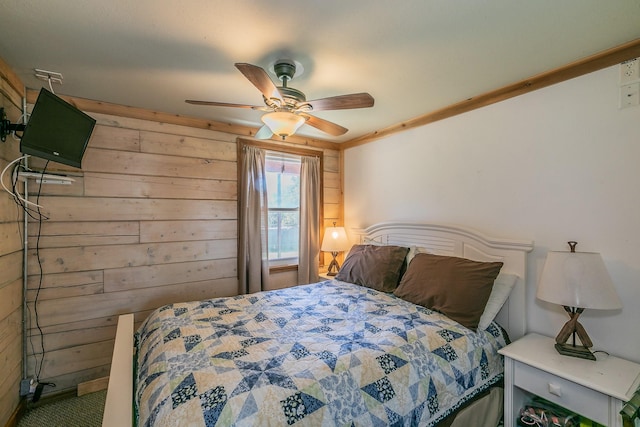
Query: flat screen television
[[57, 131]]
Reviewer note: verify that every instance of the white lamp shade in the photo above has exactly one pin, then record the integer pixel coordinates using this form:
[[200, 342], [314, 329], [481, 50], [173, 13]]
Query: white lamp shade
[[577, 279], [335, 240], [283, 123]]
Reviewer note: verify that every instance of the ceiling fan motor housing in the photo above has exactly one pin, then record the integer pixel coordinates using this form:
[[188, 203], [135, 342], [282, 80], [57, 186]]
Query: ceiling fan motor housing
[[291, 94], [285, 69]]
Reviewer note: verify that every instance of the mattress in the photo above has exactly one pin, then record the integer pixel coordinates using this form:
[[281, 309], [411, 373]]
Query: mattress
[[324, 354]]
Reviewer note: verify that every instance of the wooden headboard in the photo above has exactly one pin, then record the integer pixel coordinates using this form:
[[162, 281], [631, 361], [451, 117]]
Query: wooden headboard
[[467, 243]]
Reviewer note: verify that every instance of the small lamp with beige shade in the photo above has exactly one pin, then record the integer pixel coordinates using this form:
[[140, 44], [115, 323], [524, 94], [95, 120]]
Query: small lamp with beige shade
[[335, 240], [577, 281]]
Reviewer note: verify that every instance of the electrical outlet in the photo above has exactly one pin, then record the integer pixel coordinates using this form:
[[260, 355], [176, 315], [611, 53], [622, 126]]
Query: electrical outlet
[[629, 71], [28, 386], [24, 387], [630, 95]]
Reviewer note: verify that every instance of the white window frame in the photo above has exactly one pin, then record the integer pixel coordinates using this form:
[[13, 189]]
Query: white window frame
[[276, 156]]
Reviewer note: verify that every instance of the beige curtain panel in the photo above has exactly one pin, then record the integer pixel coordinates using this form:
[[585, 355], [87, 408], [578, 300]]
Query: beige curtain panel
[[309, 243], [253, 265]]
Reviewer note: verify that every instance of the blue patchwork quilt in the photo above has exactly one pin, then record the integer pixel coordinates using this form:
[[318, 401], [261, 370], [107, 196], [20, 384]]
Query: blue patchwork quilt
[[325, 354]]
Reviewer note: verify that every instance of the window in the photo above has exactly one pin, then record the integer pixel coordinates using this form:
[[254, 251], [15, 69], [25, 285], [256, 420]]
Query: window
[[283, 200], [285, 176]]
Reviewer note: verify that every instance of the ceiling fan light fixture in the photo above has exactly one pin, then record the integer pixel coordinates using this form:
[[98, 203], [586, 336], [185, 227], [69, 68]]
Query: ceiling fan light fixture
[[283, 123]]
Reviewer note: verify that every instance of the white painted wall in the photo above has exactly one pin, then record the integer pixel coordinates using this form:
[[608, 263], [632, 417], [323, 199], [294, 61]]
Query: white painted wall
[[558, 164]]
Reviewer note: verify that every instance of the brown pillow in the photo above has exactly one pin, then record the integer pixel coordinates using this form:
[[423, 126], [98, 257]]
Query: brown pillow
[[456, 287], [376, 267]]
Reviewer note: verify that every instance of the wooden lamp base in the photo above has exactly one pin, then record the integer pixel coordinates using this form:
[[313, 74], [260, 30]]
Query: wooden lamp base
[[575, 351], [571, 328], [333, 264]]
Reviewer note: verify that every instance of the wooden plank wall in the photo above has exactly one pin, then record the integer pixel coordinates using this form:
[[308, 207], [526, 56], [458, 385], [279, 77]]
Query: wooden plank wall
[[11, 257], [151, 219]]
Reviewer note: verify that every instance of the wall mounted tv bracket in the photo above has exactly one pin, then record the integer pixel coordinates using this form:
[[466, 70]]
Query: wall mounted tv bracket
[[6, 127]]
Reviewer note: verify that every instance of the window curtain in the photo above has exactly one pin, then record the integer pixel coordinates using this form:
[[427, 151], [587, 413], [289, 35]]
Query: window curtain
[[309, 243], [253, 263]]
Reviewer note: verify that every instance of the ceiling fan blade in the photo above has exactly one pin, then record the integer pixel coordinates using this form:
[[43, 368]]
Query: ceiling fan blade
[[325, 125], [221, 104], [260, 79], [343, 102], [264, 133]]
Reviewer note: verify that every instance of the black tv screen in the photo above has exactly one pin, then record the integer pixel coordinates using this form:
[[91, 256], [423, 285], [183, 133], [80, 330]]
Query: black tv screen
[[57, 131]]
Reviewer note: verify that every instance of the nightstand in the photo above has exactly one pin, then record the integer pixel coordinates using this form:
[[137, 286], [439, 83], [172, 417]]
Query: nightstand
[[596, 390], [325, 276]]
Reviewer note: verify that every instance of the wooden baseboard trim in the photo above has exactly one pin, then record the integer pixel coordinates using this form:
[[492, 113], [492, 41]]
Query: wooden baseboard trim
[[93, 386], [17, 414]]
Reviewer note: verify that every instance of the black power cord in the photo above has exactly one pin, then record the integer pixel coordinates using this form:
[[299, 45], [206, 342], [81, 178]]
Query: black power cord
[[38, 392], [35, 301], [36, 215]]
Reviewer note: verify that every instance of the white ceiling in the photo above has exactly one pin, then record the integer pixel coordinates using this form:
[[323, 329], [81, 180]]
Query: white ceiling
[[412, 56]]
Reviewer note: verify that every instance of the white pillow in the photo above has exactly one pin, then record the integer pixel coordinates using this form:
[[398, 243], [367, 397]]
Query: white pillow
[[502, 287], [413, 251]]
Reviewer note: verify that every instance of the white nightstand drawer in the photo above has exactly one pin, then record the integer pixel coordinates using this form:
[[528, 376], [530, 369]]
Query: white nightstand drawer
[[582, 400]]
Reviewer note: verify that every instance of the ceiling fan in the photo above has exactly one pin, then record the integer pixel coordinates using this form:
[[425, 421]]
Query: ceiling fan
[[288, 108]]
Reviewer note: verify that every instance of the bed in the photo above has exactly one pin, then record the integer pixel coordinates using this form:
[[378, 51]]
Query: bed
[[336, 352]]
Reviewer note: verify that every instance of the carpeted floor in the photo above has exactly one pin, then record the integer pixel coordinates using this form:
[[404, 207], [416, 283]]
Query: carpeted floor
[[83, 411]]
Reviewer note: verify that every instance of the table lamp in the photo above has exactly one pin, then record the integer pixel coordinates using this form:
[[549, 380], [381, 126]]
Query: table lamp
[[335, 240], [577, 281]]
